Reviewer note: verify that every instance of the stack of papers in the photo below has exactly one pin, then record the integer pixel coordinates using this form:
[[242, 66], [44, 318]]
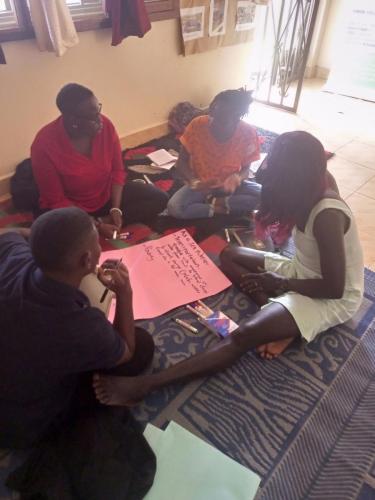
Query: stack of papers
[[190, 469], [162, 159]]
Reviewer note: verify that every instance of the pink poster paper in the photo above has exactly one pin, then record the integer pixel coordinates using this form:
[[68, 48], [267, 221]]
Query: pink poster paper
[[167, 273]]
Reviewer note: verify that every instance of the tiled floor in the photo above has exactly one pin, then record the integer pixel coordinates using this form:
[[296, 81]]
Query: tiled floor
[[346, 127]]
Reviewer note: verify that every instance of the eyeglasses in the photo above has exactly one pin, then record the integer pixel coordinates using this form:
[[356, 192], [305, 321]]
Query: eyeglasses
[[90, 119]]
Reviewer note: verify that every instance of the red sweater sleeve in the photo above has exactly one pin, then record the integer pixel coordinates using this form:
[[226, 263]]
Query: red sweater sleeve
[[49, 184], [118, 171]]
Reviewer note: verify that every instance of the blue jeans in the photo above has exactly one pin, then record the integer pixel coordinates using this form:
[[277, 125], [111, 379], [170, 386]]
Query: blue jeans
[[189, 204]]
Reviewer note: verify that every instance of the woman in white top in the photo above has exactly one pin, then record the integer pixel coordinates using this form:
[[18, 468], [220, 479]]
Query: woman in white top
[[320, 287]]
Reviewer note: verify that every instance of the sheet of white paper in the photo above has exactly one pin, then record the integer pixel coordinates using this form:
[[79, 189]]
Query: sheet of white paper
[[256, 164], [152, 435], [161, 157], [190, 469], [165, 166], [93, 289]]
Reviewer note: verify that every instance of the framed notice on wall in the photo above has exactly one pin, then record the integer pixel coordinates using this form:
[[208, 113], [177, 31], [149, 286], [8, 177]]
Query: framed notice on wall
[[245, 15], [209, 24], [192, 23], [218, 17]]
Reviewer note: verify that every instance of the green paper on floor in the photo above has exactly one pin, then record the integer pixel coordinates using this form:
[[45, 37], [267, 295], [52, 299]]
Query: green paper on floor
[[190, 469]]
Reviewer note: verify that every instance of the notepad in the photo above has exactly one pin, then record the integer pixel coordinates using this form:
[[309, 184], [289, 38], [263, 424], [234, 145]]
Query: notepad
[[162, 159], [93, 289], [190, 469]]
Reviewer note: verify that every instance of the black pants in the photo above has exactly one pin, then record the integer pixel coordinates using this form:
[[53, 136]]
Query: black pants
[[140, 203], [65, 463], [83, 399]]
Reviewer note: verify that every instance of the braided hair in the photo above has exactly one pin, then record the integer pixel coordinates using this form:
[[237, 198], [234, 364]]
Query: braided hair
[[239, 100]]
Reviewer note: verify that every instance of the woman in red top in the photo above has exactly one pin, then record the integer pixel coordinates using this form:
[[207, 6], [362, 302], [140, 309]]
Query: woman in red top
[[77, 160]]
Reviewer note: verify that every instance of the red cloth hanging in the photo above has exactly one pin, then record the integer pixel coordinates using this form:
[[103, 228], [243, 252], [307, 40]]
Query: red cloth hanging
[[129, 18]]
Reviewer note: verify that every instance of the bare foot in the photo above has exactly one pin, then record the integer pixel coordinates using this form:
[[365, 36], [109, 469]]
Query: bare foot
[[261, 350], [274, 349], [119, 391]]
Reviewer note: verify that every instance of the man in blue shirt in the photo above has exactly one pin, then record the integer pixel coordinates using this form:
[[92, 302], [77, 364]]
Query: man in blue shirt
[[49, 333]]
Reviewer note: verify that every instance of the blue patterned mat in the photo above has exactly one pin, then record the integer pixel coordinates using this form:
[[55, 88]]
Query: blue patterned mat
[[304, 422]]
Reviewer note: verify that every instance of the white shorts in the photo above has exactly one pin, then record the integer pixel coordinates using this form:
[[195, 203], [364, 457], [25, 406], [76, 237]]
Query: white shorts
[[312, 316]]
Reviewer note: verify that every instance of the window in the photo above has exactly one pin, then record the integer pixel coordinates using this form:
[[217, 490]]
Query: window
[[88, 14], [15, 23], [14, 20], [8, 16], [83, 9]]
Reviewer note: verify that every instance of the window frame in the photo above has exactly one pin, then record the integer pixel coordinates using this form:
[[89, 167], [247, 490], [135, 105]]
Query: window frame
[[92, 22], [158, 10], [24, 30]]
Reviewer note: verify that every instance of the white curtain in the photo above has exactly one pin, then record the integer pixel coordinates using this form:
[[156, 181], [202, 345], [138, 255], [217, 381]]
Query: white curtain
[[53, 25]]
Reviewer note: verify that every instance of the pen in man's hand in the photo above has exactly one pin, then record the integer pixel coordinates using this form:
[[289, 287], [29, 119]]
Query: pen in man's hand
[[105, 293]]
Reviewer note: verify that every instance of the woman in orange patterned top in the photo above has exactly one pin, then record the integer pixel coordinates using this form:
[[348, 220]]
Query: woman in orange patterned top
[[217, 150]]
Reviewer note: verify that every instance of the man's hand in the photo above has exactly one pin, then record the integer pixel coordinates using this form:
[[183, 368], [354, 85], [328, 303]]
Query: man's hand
[[231, 183], [264, 281], [115, 276]]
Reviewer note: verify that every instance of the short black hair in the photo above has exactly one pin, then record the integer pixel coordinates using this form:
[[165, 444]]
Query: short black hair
[[56, 234], [71, 96], [239, 100]]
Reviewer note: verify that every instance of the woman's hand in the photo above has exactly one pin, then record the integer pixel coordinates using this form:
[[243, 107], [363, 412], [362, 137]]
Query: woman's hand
[[115, 276], [264, 281], [231, 183], [116, 218], [107, 230], [203, 186]]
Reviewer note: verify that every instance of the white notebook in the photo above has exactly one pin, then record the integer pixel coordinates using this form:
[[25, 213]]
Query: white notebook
[[162, 159], [93, 288]]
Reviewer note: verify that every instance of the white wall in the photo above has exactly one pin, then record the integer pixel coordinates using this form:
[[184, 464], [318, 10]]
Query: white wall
[[327, 48], [137, 82]]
